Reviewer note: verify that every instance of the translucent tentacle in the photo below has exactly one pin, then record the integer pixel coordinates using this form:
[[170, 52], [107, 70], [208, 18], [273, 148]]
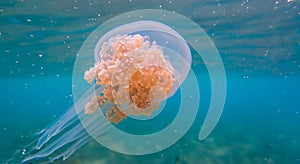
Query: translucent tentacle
[[66, 133], [65, 120], [82, 141]]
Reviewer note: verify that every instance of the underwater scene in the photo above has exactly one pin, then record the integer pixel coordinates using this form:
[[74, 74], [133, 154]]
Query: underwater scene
[[158, 81]]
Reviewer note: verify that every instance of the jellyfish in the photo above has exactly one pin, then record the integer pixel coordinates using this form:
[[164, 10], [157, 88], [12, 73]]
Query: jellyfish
[[132, 77], [127, 67]]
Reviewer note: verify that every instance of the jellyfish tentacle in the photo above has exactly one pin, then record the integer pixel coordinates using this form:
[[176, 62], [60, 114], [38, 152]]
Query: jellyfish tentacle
[[58, 143], [65, 120], [68, 119], [73, 135], [73, 148], [60, 128], [82, 141]]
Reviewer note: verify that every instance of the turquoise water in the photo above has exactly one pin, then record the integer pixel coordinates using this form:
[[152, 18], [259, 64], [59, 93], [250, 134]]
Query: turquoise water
[[259, 43]]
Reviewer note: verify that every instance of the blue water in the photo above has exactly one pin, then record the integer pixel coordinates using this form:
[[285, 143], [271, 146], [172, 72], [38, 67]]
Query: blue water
[[259, 43]]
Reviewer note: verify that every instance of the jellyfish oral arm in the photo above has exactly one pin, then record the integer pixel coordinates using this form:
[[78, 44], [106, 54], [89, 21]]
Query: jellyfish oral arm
[[136, 74]]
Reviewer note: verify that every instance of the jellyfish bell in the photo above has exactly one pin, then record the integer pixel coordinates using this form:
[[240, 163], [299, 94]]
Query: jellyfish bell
[[174, 47], [141, 64]]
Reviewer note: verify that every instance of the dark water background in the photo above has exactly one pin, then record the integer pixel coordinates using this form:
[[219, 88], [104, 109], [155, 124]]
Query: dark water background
[[259, 42]]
